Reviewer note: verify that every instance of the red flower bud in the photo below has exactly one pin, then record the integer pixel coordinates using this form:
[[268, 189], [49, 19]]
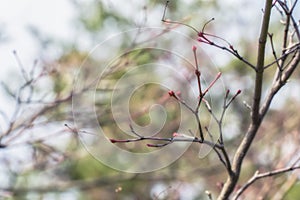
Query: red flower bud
[[118, 141], [176, 134], [200, 34], [171, 93], [194, 48], [113, 140], [200, 39]]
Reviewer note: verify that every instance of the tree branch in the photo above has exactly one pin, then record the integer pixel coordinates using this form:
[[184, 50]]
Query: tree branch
[[256, 119], [258, 176]]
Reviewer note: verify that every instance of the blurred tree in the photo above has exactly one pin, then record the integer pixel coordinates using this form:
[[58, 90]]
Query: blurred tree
[[60, 164]]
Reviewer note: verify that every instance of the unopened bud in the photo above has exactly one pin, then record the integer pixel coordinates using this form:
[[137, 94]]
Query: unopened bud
[[194, 48]]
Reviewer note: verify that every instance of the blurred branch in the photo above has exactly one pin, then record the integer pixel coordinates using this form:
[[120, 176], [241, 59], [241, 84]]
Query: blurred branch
[[167, 141], [84, 184], [258, 176], [204, 38]]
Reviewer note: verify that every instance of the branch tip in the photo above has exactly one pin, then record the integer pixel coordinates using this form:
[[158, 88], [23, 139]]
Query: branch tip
[[172, 94], [152, 145], [113, 140], [194, 48]]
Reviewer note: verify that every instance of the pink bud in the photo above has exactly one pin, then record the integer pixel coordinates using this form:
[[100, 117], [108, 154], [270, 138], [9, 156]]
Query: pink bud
[[171, 93], [227, 92], [118, 141], [194, 48], [200, 34], [200, 39], [176, 134], [167, 21]]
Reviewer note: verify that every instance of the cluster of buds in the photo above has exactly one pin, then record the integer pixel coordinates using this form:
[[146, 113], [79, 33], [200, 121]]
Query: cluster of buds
[[203, 38]]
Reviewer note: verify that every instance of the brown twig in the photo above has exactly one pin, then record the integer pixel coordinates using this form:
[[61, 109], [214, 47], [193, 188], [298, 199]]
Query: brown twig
[[258, 176]]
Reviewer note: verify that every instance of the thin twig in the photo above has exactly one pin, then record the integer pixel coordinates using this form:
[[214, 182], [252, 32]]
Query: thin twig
[[292, 49], [258, 176], [175, 22], [168, 140], [203, 35], [274, 51]]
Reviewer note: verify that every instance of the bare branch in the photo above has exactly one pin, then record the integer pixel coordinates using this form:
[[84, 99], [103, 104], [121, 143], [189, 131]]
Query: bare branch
[[167, 140], [258, 176], [81, 184], [256, 118]]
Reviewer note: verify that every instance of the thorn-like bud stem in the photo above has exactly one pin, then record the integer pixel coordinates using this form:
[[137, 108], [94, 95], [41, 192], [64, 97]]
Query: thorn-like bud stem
[[194, 48], [212, 83], [118, 141], [172, 94], [151, 145], [197, 71], [227, 93], [113, 140], [199, 39], [200, 34], [157, 145], [230, 101], [237, 93]]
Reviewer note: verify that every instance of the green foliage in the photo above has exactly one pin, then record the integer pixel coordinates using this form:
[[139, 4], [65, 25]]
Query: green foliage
[[92, 15], [59, 84], [87, 168], [294, 192]]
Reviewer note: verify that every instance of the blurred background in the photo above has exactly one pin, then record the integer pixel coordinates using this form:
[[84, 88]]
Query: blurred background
[[45, 47]]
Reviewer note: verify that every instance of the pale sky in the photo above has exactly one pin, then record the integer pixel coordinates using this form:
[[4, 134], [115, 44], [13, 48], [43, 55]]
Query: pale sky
[[50, 17]]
